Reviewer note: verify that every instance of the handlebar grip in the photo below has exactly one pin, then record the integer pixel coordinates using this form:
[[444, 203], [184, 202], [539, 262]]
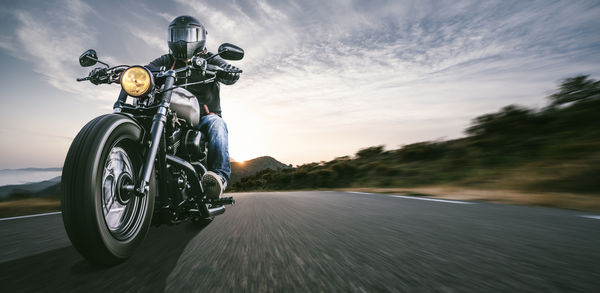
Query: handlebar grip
[[216, 68], [83, 78], [211, 67]]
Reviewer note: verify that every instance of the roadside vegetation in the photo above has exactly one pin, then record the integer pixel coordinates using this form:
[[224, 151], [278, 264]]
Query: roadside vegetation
[[548, 156], [28, 206], [553, 149]]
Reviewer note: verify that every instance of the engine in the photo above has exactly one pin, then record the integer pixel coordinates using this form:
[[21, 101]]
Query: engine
[[188, 144], [194, 145]]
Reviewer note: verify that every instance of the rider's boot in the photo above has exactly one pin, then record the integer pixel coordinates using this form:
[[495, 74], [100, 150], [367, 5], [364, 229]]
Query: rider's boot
[[213, 185]]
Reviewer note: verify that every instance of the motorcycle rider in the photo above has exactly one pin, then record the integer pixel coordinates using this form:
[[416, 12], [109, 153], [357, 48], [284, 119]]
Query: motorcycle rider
[[187, 38]]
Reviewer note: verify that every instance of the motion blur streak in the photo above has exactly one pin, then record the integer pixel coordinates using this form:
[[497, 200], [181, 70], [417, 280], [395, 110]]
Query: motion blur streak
[[329, 242]]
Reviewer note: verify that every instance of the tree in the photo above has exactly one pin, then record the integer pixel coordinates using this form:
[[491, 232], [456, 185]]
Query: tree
[[510, 120], [575, 89], [370, 152]]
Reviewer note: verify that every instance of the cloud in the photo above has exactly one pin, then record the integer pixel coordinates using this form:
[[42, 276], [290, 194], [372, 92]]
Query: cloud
[[393, 65], [154, 41], [340, 74], [52, 41]]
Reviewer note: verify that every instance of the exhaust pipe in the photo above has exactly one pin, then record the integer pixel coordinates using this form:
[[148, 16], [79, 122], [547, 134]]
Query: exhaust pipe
[[206, 212], [216, 211]]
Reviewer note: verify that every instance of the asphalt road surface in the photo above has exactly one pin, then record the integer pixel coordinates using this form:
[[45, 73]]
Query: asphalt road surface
[[325, 242]]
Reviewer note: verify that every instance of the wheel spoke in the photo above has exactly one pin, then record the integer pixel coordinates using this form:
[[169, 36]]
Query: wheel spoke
[[107, 207], [120, 218]]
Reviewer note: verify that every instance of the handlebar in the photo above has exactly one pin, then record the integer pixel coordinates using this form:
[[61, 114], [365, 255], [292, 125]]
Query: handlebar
[[197, 63]]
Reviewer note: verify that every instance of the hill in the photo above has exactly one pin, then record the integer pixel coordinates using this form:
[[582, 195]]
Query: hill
[[29, 189], [51, 188], [240, 170]]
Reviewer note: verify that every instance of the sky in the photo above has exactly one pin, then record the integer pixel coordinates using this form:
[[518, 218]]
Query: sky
[[321, 79]]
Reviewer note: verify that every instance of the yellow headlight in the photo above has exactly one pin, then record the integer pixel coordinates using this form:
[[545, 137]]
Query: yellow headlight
[[136, 81]]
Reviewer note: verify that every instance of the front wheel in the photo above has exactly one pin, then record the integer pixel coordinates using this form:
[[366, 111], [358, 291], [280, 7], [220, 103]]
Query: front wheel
[[105, 221]]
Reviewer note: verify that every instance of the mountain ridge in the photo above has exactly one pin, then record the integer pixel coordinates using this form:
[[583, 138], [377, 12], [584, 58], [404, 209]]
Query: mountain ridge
[[247, 168], [8, 191], [51, 187]]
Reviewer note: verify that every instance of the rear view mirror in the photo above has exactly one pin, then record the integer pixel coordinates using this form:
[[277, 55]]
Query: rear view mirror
[[88, 58], [231, 52]]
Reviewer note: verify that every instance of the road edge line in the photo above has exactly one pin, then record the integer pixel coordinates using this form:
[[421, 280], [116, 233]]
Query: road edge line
[[432, 199], [414, 197], [29, 216], [590, 217]]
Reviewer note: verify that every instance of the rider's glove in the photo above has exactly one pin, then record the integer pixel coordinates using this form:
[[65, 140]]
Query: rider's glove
[[98, 76], [230, 75]]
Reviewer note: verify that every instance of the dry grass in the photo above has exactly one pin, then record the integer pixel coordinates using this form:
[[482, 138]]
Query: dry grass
[[29, 206], [574, 201], [584, 202]]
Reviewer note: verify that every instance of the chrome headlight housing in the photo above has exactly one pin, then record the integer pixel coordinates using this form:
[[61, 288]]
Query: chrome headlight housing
[[137, 81]]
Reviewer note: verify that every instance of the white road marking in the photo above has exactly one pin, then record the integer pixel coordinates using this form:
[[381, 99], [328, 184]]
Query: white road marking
[[416, 197], [433, 199], [29, 216], [356, 192], [592, 217]]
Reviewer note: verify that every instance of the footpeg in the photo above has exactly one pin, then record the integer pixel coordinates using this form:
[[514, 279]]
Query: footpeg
[[219, 201]]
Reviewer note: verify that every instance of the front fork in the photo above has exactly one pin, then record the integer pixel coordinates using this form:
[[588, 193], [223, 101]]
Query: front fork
[[156, 132]]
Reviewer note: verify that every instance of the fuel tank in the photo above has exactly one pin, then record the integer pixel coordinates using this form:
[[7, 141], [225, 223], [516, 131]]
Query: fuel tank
[[186, 106]]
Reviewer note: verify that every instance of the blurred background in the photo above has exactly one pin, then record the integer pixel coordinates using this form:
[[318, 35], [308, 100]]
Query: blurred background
[[501, 94], [487, 94], [552, 148]]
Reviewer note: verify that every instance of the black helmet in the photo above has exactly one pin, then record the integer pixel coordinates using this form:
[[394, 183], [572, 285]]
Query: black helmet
[[187, 37]]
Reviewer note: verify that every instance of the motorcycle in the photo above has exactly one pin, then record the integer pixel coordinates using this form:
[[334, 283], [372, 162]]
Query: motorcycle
[[140, 165]]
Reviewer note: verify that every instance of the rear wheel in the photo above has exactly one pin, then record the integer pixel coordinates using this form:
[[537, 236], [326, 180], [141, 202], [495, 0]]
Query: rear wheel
[[104, 220]]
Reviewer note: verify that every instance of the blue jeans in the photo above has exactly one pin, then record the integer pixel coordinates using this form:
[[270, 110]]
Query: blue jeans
[[215, 129]]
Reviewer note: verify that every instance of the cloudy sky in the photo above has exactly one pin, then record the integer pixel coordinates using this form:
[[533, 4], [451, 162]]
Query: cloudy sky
[[321, 78]]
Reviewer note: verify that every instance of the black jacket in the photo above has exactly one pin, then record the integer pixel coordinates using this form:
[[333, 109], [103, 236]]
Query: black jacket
[[207, 94]]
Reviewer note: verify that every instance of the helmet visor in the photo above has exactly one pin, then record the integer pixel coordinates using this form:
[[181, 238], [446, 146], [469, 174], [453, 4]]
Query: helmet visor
[[195, 34]]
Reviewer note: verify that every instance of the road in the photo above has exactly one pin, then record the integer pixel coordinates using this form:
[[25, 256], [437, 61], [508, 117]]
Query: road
[[326, 242]]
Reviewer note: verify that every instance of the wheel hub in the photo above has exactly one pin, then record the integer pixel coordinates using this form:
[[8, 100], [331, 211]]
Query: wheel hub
[[124, 188]]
